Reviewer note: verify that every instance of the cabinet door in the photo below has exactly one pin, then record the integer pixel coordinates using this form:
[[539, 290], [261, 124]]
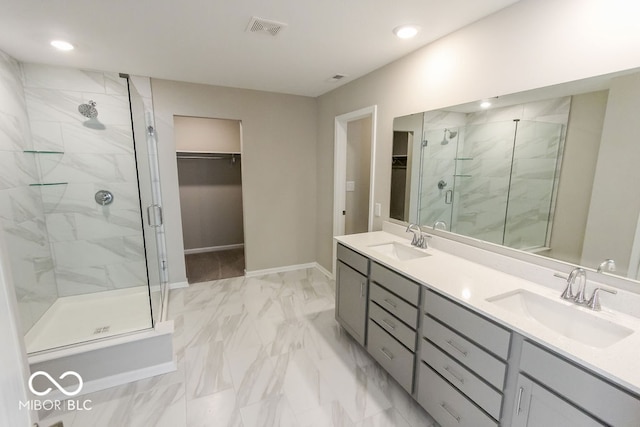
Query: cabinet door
[[351, 301], [537, 407]]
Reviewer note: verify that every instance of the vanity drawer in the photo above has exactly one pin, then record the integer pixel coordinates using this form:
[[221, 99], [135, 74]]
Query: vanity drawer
[[353, 259], [394, 358], [447, 405], [395, 283], [470, 355], [597, 396], [394, 305], [393, 326], [492, 337], [477, 390]]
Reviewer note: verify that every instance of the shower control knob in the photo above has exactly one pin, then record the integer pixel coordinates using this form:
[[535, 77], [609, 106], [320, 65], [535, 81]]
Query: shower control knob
[[104, 197], [442, 184]]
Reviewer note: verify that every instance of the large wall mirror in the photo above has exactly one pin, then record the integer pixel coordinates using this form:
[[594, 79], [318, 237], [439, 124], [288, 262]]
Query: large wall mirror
[[553, 171]]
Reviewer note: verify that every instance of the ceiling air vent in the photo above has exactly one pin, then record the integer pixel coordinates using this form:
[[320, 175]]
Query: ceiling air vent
[[336, 77], [265, 26]]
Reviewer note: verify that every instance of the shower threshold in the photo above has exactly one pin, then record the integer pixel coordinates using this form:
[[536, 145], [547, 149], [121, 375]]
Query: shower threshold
[[76, 319]]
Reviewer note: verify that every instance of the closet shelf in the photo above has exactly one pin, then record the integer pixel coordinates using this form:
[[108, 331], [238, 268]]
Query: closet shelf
[[207, 155], [45, 184], [43, 152]]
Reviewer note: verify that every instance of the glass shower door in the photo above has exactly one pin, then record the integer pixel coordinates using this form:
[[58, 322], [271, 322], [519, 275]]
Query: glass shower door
[[148, 178]]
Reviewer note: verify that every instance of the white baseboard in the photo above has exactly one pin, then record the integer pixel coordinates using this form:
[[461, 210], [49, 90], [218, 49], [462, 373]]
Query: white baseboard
[[266, 271], [213, 249], [324, 271], [283, 269], [178, 285]]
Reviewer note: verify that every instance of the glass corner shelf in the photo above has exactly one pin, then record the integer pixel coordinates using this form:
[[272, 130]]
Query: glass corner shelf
[[43, 152], [45, 184]]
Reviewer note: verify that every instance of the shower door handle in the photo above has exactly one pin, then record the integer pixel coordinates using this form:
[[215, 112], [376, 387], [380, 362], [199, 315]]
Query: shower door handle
[[448, 197], [158, 208]]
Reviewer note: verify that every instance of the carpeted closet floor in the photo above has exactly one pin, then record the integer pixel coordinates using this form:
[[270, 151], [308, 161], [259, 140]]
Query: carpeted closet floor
[[217, 265]]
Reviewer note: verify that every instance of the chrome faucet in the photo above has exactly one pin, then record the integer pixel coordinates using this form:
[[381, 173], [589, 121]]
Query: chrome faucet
[[419, 239], [609, 264], [441, 224], [417, 232], [594, 301], [573, 276]]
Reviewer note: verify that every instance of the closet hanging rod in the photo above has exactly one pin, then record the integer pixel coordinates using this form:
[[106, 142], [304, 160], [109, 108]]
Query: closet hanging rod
[[212, 156]]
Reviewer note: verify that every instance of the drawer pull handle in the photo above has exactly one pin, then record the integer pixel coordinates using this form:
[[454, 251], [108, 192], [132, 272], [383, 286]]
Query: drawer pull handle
[[362, 286], [450, 412], [390, 303], [389, 324], [454, 374], [518, 405], [457, 348], [387, 353]]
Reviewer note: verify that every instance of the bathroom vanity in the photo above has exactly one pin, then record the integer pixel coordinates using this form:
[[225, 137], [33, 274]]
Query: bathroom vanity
[[476, 346]]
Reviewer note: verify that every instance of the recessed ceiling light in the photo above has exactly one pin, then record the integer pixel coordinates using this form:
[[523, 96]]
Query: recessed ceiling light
[[485, 104], [62, 45], [406, 31]]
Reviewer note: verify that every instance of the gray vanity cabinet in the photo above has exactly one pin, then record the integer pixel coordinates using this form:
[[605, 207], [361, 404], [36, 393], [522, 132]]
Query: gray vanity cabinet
[[351, 293], [393, 320], [572, 387], [537, 407], [463, 364], [463, 368]]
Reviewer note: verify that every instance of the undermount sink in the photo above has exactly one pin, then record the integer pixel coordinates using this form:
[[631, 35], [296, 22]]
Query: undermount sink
[[567, 320], [399, 251]]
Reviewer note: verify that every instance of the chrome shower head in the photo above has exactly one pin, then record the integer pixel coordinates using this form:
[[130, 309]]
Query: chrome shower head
[[88, 110]]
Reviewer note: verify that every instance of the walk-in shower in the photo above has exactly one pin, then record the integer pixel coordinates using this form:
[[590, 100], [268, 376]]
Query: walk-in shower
[[493, 181], [81, 218]]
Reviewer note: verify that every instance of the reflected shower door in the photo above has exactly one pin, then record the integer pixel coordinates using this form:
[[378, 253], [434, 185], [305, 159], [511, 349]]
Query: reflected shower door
[[148, 179], [533, 180], [437, 170], [482, 178]]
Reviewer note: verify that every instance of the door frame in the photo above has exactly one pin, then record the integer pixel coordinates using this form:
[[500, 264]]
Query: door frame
[[340, 169]]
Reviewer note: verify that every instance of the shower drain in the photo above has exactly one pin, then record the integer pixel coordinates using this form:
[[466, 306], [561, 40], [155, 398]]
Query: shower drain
[[101, 330]]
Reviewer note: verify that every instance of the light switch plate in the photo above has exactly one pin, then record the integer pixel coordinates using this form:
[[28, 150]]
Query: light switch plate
[[351, 186], [377, 209]]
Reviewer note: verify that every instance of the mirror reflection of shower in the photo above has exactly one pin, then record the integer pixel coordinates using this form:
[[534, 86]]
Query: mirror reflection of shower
[[452, 134], [90, 111]]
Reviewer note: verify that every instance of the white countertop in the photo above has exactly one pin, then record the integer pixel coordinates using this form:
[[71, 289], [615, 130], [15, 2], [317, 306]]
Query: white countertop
[[470, 284]]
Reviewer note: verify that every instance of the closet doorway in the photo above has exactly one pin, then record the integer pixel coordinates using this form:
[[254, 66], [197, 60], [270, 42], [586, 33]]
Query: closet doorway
[[209, 157]]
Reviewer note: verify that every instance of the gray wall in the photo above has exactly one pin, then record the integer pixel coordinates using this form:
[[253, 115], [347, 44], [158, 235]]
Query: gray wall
[[615, 204], [358, 171], [532, 44], [278, 169], [584, 131], [210, 202], [210, 189]]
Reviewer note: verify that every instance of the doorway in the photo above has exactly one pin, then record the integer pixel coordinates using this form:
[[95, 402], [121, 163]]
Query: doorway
[[354, 160], [210, 183]]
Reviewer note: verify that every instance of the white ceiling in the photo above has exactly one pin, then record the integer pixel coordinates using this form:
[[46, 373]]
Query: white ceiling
[[204, 41]]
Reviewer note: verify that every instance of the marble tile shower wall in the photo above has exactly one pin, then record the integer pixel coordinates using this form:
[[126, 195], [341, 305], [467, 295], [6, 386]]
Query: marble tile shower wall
[[94, 247], [21, 211], [483, 148]]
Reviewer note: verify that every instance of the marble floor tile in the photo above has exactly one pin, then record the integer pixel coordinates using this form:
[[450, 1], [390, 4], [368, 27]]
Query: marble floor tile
[[160, 407], [330, 414], [272, 412], [217, 409], [207, 370], [359, 394], [254, 375], [262, 351]]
